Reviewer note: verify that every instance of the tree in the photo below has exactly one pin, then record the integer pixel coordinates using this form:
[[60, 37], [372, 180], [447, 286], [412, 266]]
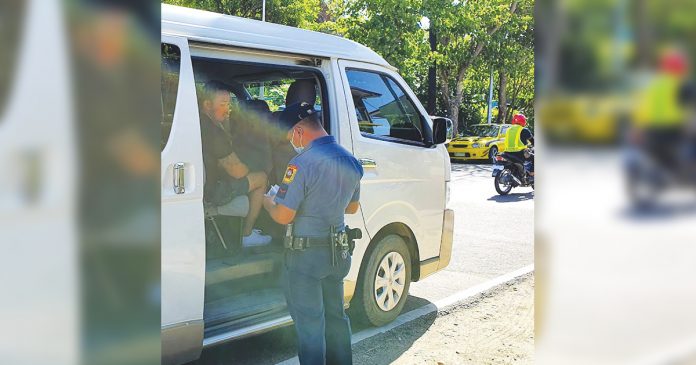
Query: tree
[[391, 28], [465, 29], [473, 37]]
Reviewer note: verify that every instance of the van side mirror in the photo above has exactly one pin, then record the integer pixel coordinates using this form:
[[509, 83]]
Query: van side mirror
[[443, 130]]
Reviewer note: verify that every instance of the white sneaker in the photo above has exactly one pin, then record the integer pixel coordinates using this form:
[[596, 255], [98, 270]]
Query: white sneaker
[[256, 239]]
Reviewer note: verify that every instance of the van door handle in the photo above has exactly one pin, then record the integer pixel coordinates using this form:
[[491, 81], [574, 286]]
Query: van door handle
[[179, 182], [368, 163]]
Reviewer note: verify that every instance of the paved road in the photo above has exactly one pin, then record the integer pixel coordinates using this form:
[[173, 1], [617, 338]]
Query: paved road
[[493, 235], [619, 283]]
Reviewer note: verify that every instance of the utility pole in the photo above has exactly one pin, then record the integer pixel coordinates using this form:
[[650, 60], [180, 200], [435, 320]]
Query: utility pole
[[490, 98], [263, 11], [262, 89]]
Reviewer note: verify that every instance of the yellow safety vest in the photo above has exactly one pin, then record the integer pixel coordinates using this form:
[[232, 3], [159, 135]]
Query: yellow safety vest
[[512, 139], [659, 103]]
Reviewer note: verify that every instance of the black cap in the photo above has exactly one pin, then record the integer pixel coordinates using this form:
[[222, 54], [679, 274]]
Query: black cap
[[293, 114]]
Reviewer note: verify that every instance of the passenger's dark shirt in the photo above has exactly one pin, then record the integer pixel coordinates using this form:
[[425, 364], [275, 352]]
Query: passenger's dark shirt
[[216, 145]]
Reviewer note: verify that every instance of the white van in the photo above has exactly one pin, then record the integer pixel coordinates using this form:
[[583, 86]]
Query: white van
[[213, 290]]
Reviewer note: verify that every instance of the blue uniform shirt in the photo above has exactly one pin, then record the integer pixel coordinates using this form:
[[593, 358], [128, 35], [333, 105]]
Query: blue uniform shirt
[[319, 183]]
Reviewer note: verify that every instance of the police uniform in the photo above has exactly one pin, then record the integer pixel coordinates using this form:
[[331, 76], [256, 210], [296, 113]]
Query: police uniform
[[318, 184]]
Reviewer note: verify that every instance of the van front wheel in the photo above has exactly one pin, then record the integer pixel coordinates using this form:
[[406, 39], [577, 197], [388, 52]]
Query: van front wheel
[[384, 282]]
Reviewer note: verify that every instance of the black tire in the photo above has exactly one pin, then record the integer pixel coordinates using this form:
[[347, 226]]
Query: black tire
[[642, 193], [491, 154], [496, 183], [364, 303]]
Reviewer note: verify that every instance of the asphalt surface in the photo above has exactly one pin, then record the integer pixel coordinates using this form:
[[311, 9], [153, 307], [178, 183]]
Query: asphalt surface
[[493, 236], [619, 282]]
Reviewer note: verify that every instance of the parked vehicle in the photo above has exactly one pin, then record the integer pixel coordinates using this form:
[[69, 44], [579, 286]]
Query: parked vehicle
[[212, 291], [511, 171], [479, 142]]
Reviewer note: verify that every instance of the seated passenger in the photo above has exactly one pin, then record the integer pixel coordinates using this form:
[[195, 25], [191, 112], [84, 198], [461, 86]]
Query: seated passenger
[[303, 90], [227, 176]]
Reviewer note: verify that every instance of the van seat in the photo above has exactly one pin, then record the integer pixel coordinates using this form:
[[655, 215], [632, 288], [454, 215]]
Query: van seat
[[238, 207]]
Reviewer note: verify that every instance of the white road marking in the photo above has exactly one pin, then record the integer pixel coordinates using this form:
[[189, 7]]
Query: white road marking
[[438, 305]]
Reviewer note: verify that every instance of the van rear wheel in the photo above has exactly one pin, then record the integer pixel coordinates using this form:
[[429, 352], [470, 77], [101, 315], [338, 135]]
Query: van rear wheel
[[384, 281]]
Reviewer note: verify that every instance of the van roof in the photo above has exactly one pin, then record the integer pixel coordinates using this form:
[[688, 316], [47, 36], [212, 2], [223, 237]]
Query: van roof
[[205, 26]]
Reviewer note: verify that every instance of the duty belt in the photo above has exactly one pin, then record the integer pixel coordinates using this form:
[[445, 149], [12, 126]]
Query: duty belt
[[301, 243], [341, 241]]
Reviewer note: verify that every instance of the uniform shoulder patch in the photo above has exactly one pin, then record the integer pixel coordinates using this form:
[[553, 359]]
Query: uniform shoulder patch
[[290, 174]]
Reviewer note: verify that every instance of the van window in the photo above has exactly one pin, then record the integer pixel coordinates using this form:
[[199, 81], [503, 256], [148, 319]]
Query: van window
[[171, 63], [274, 93], [382, 107], [259, 93]]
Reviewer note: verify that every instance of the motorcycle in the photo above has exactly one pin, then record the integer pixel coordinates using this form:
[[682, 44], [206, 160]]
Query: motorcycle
[[510, 171], [648, 177]]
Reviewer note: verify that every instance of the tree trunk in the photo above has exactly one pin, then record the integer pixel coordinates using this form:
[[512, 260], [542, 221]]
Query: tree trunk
[[323, 12], [502, 97], [645, 41], [444, 80], [432, 72], [453, 105]]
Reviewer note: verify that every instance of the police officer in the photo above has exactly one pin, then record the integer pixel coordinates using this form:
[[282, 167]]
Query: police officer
[[320, 185]]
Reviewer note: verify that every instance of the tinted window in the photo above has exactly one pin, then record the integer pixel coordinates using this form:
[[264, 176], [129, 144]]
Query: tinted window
[[382, 107], [171, 62], [483, 131]]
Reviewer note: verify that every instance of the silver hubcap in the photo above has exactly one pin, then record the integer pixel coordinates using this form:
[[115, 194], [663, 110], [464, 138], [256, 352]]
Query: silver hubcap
[[390, 281], [504, 180]]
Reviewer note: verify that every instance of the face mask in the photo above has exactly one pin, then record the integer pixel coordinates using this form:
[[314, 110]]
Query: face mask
[[297, 149]]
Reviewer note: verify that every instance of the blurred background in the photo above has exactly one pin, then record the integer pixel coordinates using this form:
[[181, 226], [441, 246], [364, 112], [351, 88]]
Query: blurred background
[[616, 194], [616, 189], [79, 193]]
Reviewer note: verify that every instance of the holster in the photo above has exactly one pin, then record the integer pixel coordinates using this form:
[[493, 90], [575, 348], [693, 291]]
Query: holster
[[339, 241]]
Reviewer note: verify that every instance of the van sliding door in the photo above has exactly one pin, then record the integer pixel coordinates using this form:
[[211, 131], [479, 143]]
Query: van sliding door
[[182, 232]]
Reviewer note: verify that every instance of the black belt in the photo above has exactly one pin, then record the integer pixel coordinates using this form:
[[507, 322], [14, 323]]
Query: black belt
[[300, 243]]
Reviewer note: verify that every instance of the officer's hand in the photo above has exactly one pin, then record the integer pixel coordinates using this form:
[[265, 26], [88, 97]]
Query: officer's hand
[[272, 191], [268, 202]]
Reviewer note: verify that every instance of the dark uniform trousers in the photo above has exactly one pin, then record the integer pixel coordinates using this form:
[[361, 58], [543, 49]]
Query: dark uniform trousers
[[314, 291]]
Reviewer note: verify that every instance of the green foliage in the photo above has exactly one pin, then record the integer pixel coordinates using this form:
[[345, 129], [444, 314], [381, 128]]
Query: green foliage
[[473, 38]]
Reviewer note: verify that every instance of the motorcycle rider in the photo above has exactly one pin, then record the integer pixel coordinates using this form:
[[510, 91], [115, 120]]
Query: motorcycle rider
[[517, 137], [661, 113]]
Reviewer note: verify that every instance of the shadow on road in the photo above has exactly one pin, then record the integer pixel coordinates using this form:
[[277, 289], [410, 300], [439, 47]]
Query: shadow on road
[[659, 211], [472, 169], [268, 348], [512, 197]]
